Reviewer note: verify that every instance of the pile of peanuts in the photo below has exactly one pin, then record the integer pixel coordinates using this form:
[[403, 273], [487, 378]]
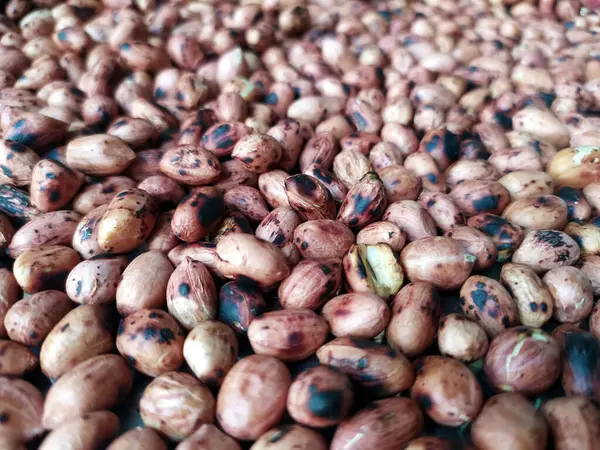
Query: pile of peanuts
[[305, 224]]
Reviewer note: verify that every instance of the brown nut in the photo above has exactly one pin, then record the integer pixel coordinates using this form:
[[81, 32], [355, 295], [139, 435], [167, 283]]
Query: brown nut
[[163, 238], [589, 266], [95, 280], [54, 228], [461, 338], [489, 303], [198, 213], [321, 239], [385, 425], [85, 238], [7, 231], [426, 443], [22, 404], [320, 149], [16, 360], [207, 437], [100, 193], [475, 243], [272, 186], [360, 315], [506, 235], [83, 333], [17, 162], [586, 235], [399, 183], [364, 202], [442, 210], [336, 187], [309, 197], [99, 154], [239, 304], [289, 334], [447, 390], [319, 397], [412, 218], [415, 316], [470, 170], [385, 154], [575, 166], [511, 159], [138, 438], [382, 232], [137, 133], [257, 152], [509, 421], [573, 422], [30, 320], [311, 284], [191, 165], [373, 269], [53, 185], [536, 213], [176, 405], [127, 222], [16, 203], [377, 368], [146, 164], [285, 436], [38, 132], [247, 201], [166, 191], [477, 196], [523, 359], [210, 349], [278, 228], [221, 138], [44, 267], [243, 255], [440, 261], [350, 166], [96, 384], [543, 250], [191, 294], [88, 431], [533, 299], [151, 341], [9, 294], [143, 283], [252, 397], [572, 293], [527, 183]]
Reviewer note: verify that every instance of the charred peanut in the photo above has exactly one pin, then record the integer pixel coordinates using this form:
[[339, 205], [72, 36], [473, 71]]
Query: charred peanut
[[506, 235], [523, 359], [360, 315], [309, 197], [534, 302], [336, 188], [95, 280], [374, 269], [321, 149], [176, 404], [461, 338], [289, 334], [364, 202], [320, 397], [151, 341], [127, 222], [278, 228], [198, 213], [191, 165], [447, 390], [221, 138], [16, 203], [95, 384], [84, 332], [486, 301], [54, 228], [414, 320], [191, 294], [30, 320], [210, 350], [257, 385], [239, 304], [477, 196], [311, 284], [578, 208], [580, 374], [378, 369], [440, 261], [543, 250]]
